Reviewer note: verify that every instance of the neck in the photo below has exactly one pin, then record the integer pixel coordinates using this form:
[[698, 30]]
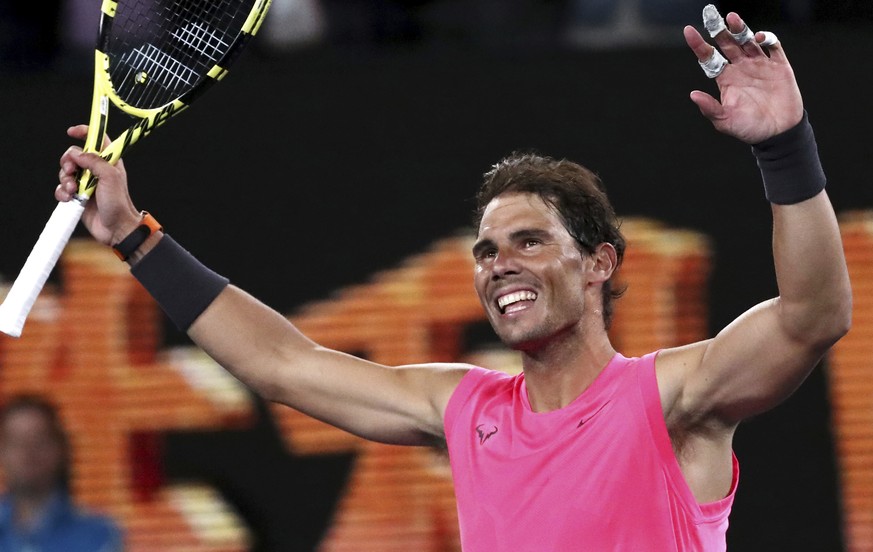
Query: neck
[[557, 372], [29, 507]]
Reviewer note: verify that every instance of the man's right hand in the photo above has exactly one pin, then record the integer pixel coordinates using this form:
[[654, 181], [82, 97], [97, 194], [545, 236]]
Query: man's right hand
[[110, 215]]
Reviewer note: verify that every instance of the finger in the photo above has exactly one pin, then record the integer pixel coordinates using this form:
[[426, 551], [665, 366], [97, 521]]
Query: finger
[[67, 162], [714, 23], [768, 40], [701, 48], [708, 106], [62, 193], [709, 58], [92, 162], [742, 35], [696, 42], [69, 169], [68, 175], [79, 132], [714, 64]]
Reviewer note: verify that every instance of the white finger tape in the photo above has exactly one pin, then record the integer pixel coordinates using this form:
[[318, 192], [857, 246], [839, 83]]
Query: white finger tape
[[712, 20], [769, 39], [714, 65], [744, 35]]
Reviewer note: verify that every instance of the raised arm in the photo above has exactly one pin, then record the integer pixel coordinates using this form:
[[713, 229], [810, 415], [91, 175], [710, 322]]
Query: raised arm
[[401, 405], [763, 356]]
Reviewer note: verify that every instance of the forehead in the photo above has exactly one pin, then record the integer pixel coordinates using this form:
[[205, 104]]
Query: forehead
[[517, 210], [26, 419]]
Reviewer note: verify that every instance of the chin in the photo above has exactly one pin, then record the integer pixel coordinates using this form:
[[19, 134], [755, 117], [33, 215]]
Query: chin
[[533, 337], [522, 341]]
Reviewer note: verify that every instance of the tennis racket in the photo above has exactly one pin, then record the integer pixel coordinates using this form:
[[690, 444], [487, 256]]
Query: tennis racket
[[153, 58]]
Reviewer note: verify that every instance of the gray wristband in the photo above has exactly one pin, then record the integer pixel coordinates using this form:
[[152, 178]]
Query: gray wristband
[[181, 284], [790, 165]]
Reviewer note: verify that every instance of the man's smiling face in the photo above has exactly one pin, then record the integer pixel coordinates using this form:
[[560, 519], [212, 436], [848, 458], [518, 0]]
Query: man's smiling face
[[530, 274]]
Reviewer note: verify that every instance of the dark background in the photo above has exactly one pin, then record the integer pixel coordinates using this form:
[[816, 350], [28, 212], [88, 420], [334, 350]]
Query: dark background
[[311, 167]]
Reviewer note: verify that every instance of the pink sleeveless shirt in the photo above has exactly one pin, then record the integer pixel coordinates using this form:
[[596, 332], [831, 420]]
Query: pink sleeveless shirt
[[597, 475]]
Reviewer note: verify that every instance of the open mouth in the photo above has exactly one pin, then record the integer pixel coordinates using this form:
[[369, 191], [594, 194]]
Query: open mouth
[[515, 301]]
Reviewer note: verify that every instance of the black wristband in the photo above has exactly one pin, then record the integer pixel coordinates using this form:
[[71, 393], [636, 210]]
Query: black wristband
[[790, 165], [181, 284]]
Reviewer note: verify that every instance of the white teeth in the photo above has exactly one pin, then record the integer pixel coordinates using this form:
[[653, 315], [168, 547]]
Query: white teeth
[[515, 297]]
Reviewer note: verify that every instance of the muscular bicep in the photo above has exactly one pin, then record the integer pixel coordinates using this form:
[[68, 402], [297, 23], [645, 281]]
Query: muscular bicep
[[761, 358], [390, 404], [748, 368], [400, 405]]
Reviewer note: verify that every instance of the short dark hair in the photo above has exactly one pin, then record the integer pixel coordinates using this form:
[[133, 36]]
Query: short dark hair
[[576, 194], [27, 401]]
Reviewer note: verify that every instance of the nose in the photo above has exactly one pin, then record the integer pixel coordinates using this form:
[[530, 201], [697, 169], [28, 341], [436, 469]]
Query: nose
[[505, 264]]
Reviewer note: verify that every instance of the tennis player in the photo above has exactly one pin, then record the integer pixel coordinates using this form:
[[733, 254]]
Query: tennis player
[[586, 449]]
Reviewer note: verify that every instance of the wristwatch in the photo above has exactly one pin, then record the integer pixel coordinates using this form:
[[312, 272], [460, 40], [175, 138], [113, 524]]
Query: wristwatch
[[147, 226]]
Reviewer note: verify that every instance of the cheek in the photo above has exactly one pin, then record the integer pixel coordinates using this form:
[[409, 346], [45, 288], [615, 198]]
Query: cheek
[[569, 274], [569, 290], [480, 281]]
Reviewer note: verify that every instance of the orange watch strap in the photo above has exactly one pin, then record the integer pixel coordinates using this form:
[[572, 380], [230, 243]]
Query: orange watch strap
[[148, 225]]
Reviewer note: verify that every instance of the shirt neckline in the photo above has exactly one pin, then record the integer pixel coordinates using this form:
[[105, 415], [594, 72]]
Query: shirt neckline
[[591, 397]]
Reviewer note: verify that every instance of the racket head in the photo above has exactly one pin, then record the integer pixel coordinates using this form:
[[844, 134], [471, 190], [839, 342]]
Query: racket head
[[160, 51], [155, 57]]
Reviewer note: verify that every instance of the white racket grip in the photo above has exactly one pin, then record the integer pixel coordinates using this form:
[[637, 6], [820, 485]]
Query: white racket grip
[[38, 266]]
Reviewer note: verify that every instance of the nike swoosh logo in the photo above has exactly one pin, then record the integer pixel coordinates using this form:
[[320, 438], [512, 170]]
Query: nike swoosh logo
[[583, 421]]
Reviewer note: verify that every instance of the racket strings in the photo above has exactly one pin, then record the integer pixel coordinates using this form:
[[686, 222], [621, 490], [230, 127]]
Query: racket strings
[[160, 49]]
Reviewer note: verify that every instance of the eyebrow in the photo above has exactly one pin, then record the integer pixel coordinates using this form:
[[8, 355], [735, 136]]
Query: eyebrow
[[530, 233], [516, 235], [480, 246]]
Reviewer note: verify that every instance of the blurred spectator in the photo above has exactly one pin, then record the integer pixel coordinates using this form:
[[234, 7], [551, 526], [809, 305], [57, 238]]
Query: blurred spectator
[[609, 23], [533, 24], [293, 23], [60, 34], [37, 513]]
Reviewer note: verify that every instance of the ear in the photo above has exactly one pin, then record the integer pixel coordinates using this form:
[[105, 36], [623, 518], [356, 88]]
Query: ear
[[605, 262]]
